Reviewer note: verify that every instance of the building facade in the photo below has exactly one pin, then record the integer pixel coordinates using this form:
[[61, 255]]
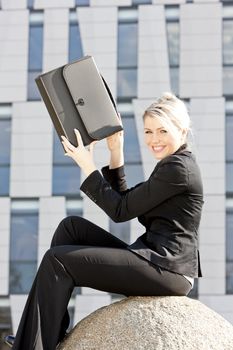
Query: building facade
[[142, 48]]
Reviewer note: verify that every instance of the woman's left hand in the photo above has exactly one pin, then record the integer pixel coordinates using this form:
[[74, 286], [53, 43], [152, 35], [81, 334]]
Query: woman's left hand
[[81, 155]]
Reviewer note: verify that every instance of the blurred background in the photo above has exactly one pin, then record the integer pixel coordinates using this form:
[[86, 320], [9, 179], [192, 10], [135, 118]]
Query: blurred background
[[142, 48]]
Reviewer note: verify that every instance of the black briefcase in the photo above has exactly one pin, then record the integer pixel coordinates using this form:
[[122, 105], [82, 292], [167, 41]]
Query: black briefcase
[[77, 96]]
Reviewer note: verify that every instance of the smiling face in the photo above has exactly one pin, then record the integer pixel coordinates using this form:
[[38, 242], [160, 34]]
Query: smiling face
[[161, 139]]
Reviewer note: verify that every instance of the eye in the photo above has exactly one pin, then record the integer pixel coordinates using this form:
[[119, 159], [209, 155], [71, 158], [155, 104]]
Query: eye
[[148, 132], [163, 131]]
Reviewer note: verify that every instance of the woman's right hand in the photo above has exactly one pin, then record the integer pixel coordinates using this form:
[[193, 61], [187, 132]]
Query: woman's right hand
[[115, 142]]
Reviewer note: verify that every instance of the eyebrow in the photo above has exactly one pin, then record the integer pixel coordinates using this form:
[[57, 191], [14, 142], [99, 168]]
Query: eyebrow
[[156, 129]]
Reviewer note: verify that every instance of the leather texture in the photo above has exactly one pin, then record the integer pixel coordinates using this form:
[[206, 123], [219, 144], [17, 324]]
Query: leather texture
[[76, 96]]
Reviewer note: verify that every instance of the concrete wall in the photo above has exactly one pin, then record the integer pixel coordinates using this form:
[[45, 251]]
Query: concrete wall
[[32, 133]]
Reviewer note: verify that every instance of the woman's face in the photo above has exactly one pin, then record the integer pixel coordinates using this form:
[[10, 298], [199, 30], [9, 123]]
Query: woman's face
[[159, 138]]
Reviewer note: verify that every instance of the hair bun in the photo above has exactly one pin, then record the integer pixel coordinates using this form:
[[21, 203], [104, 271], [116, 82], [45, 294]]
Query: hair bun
[[168, 96]]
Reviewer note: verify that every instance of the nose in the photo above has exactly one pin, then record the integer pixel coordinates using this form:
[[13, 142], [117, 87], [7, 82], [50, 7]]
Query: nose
[[155, 139]]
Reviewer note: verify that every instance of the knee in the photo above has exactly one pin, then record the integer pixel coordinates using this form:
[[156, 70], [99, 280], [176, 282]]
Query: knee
[[69, 223], [65, 230]]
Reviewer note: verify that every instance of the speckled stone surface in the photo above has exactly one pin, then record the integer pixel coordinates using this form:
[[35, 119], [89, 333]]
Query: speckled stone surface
[[152, 323]]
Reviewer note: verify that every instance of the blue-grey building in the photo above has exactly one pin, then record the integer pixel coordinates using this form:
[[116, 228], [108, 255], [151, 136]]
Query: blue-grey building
[[142, 48]]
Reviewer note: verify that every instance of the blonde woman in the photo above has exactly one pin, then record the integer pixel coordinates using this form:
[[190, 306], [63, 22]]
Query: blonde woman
[[164, 260]]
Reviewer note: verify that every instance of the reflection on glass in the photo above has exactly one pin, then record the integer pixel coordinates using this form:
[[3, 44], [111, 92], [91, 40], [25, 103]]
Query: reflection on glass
[[58, 152], [35, 57], [82, 2], [229, 178], [140, 2], [229, 140], [74, 206], [229, 251], [24, 236], [21, 276], [134, 174], [173, 42], [127, 83], [5, 139], [75, 45], [127, 45], [35, 47], [33, 92], [227, 80], [66, 180], [174, 77], [23, 249], [4, 183], [30, 3], [228, 42], [131, 144], [66, 174]]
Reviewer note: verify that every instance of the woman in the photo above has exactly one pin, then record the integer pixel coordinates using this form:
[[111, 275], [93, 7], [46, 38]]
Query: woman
[[162, 261]]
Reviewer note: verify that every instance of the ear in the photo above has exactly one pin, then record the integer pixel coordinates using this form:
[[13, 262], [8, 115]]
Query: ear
[[184, 133]]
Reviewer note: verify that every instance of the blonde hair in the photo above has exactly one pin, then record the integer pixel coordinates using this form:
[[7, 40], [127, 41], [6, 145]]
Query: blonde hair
[[171, 111]]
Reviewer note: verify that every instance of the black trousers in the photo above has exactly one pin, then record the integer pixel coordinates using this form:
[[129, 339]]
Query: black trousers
[[83, 254]]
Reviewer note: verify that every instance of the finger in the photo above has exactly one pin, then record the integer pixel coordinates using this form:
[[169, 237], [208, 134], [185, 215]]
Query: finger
[[67, 143], [67, 150], [79, 137], [91, 146]]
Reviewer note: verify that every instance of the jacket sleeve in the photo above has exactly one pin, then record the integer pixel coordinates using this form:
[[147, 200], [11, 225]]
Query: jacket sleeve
[[166, 181], [115, 177]]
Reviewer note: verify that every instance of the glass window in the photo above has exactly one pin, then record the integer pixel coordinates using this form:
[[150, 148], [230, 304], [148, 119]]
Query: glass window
[[35, 57], [5, 143], [66, 174], [172, 12], [30, 3], [5, 139], [21, 276], [229, 251], [173, 42], [23, 245], [229, 178], [229, 155], [131, 145], [75, 45], [140, 2], [229, 141], [66, 180], [134, 174], [5, 179], [127, 59], [127, 83], [74, 206], [174, 76], [228, 42], [173, 33], [35, 47], [33, 91], [227, 80], [82, 2], [127, 45]]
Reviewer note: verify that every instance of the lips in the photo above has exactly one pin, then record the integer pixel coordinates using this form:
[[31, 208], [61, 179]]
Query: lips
[[158, 149]]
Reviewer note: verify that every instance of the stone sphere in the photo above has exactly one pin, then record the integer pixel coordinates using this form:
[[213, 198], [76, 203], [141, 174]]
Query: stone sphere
[[152, 323]]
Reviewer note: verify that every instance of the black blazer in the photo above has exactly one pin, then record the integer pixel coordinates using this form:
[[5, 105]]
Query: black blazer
[[168, 204]]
